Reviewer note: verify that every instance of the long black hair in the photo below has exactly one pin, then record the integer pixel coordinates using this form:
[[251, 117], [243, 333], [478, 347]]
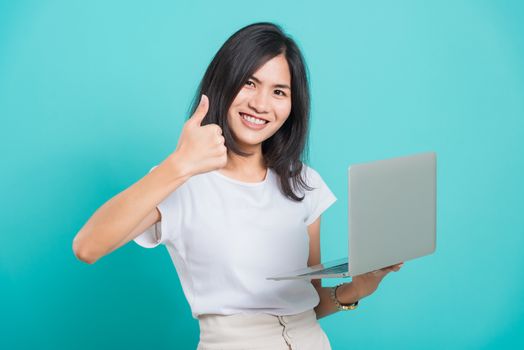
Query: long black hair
[[234, 63]]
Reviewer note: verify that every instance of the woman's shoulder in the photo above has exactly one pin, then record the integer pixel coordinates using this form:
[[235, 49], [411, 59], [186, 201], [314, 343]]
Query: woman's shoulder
[[308, 177], [309, 174]]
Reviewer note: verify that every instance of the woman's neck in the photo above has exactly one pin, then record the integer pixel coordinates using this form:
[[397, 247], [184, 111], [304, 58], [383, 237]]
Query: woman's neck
[[249, 169]]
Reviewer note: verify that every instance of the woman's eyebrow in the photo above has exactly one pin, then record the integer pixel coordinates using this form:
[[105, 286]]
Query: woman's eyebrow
[[281, 86]]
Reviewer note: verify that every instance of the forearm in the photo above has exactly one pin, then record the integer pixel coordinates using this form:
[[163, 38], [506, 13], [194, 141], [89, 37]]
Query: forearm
[[346, 294], [115, 220]]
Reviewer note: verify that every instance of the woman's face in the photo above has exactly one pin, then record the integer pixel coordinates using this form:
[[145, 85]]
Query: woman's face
[[262, 105]]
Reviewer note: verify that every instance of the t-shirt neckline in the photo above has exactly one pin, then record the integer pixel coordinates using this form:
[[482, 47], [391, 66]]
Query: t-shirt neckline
[[238, 182]]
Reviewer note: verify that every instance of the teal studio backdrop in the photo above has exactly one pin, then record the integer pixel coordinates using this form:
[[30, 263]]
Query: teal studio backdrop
[[95, 93]]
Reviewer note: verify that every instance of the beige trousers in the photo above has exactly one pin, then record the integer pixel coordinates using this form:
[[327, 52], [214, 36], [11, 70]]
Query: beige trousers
[[262, 331]]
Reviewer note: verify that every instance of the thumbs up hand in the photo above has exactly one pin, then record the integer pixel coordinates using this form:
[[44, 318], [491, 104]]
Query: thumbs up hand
[[200, 149]]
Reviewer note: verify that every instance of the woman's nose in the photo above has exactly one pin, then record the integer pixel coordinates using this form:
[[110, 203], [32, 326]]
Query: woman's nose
[[259, 102]]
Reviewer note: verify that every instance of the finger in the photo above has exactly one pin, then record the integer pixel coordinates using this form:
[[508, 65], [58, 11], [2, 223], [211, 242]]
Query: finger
[[392, 266], [389, 269], [221, 150], [201, 111], [396, 267], [213, 128], [380, 273]]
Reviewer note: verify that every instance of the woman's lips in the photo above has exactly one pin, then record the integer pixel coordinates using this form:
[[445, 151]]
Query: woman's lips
[[252, 125]]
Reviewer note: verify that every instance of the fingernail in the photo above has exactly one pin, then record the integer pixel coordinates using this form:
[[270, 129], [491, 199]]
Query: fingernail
[[201, 99]]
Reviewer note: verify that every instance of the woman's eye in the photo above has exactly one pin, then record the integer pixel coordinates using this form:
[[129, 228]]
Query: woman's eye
[[280, 93], [249, 82]]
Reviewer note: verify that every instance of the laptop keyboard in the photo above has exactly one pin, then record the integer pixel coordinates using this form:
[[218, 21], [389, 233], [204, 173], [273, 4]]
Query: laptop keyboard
[[334, 269]]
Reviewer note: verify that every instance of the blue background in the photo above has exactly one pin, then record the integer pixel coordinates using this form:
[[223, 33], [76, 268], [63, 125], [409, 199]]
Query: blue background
[[94, 93]]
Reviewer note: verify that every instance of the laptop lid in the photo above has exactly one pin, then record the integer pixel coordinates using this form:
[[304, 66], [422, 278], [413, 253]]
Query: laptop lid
[[392, 216], [392, 211]]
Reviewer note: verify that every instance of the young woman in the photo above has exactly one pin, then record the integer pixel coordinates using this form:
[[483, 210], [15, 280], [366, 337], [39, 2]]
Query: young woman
[[234, 204]]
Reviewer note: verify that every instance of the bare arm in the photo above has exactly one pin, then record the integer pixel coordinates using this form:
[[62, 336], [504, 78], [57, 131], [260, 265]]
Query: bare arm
[[129, 213], [360, 287], [326, 306], [200, 149]]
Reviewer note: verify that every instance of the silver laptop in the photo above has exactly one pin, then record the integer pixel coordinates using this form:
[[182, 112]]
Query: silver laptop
[[392, 217]]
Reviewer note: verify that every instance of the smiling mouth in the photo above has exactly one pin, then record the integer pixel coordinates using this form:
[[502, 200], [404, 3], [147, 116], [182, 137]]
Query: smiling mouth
[[253, 120]]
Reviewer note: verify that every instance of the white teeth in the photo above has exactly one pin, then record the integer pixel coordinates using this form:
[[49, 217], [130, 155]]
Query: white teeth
[[253, 119]]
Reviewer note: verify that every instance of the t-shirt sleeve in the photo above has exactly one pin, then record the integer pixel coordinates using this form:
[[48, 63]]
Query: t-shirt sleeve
[[164, 230], [318, 199]]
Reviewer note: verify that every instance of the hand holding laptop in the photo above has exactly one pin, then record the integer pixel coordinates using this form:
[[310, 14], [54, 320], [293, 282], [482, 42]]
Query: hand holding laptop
[[364, 285]]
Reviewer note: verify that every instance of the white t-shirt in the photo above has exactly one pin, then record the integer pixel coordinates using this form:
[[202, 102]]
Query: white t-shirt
[[226, 236]]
